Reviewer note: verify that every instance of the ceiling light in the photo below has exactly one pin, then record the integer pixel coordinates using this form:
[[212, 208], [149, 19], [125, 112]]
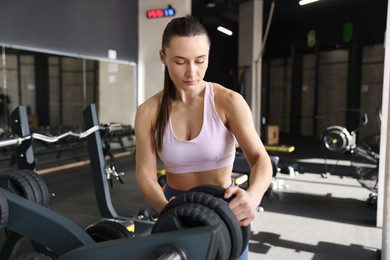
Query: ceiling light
[[211, 4], [224, 30], [305, 2]]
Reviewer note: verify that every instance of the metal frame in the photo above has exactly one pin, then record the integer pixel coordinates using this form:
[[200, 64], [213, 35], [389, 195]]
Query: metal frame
[[98, 164], [25, 158]]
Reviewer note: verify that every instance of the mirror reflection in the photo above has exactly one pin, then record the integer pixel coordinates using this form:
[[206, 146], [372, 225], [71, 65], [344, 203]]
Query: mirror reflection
[[56, 89]]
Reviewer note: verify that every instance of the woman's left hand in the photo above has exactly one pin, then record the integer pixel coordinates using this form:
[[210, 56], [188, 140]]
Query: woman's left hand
[[242, 205]]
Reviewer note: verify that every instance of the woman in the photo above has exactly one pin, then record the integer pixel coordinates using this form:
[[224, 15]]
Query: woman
[[193, 126]]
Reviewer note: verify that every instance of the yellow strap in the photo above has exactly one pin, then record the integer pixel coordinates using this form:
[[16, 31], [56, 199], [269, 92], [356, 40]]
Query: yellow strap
[[239, 178], [280, 148]]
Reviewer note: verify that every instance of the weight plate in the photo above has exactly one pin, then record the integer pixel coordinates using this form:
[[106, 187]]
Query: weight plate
[[108, 230], [17, 184], [190, 215], [41, 185], [219, 192]]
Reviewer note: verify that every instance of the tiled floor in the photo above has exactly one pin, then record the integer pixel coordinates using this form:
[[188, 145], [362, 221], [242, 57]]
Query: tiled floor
[[316, 218]]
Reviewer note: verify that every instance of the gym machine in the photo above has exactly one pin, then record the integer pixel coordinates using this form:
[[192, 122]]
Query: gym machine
[[197, 225], [364, 155]]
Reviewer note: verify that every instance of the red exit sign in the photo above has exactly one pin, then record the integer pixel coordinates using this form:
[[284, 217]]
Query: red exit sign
[[158, 13]]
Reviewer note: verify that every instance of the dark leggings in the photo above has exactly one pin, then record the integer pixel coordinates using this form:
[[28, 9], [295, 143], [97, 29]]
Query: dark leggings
[[169, 193]]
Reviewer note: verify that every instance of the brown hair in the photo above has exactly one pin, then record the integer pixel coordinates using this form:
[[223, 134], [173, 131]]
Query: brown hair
[[182, 26]]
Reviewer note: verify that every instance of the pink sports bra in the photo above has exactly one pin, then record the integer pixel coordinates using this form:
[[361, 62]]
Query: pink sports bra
[[213, 148]]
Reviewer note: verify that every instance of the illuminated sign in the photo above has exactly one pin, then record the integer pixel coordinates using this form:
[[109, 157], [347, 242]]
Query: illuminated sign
[[158, 13]]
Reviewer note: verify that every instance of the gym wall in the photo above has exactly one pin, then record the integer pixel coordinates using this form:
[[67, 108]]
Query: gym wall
[[330, 107], [74, 34], [14, 64], [73, 28], [71, 86]]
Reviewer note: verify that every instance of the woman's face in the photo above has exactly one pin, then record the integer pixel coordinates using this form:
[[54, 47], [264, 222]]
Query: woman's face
[[187, 59]]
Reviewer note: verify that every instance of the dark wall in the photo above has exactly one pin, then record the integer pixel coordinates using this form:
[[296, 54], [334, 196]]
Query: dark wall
[[73, 27], [223, 59], [368, 19]]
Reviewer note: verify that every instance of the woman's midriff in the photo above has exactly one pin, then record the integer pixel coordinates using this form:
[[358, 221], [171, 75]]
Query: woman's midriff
[[185, 181]]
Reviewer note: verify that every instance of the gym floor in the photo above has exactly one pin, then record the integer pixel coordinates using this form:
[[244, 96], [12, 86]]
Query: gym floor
[[306, 216]]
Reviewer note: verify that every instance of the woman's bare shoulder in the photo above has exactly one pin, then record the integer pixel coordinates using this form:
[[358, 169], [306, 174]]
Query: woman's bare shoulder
[[150, 105], [148, 110], [224, 95]]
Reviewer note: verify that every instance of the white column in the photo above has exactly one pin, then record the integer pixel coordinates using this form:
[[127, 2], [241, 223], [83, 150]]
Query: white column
[[117, 92], [150, 68], [383, 210], [250, 39]]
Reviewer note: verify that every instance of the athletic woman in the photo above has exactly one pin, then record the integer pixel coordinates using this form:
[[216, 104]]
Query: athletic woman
[[194, 126]]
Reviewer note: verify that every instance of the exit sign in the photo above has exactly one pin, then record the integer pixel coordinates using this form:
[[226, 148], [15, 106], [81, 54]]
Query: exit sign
[[158, 13]]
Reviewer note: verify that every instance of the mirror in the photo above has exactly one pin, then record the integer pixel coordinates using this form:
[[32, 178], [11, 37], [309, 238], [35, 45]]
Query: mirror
[[56, 89]]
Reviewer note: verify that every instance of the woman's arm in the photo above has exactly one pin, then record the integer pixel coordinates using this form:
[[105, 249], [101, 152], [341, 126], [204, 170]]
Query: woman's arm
[[146, 162], [240, 121]]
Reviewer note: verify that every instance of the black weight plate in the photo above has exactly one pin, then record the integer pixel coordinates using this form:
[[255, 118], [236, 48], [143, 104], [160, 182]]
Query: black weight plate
[[222, 209], [32, 182], [108, 230], [17, 184], [190, 215], [44, 191], [219, 192], [212, 200]]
